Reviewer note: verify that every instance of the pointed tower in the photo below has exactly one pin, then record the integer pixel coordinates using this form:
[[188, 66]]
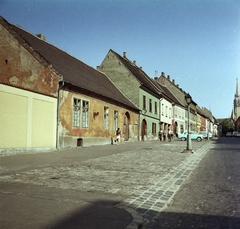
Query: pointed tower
[[236, 103]]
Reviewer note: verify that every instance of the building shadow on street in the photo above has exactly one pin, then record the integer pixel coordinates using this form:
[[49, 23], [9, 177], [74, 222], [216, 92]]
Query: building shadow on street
[[96, 215], [184, 221]]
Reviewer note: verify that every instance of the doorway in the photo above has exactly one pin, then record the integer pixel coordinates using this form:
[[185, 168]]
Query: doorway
[[126, 126], [144, 129]]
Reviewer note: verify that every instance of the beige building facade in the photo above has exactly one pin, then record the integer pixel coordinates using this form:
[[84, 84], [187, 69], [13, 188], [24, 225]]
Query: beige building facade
[[22, 122]]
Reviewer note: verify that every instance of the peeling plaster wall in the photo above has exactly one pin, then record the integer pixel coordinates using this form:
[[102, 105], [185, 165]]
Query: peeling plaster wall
[[28, 98], [19, 68], [95, 133]]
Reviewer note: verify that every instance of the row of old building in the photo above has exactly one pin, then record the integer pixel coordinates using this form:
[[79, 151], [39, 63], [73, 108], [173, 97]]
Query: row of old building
[[49, 99]]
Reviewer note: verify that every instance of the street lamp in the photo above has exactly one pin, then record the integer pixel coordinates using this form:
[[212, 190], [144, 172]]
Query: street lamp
[[188, 99]]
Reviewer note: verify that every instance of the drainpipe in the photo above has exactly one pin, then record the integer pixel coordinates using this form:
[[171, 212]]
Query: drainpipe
[[61, 84], [139, 123]]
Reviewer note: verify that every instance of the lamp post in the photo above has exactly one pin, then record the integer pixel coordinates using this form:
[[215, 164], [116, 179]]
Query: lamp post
[[188, 99]]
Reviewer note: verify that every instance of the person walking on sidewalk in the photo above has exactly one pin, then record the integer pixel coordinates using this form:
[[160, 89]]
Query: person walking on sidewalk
[[169, 135], [164, 135], [118, 136], [160, 133]]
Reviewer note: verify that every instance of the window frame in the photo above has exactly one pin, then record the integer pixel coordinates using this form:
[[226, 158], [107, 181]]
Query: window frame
[[106, 118], [76, 115]]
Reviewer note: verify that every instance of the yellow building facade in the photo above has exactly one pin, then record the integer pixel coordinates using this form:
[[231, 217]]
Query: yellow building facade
[[87, 120], [27, 119]]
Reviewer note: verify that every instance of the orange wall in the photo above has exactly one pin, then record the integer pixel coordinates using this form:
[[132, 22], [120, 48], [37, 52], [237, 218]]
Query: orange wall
[[95, 126], [21, 69]]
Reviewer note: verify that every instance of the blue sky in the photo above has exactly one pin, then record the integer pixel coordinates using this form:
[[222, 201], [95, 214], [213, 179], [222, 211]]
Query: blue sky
[[196, 42]]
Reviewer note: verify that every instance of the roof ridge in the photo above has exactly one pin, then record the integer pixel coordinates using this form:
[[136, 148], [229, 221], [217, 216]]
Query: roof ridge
[[161, 85], [11, 28], [140, 71], [72, 70]]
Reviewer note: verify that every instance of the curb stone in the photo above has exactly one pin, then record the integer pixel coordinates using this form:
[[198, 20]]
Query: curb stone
[[137, 222]]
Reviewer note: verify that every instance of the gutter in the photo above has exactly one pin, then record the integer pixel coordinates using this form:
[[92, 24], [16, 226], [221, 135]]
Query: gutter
[[61, 85]]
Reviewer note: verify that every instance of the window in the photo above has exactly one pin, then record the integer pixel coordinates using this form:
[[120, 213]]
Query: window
[[170, 112], [154, 128], [144, 102], [150, 105], [80, 113], [105, 121], [85, 106], [162, 109], [76, 112], [155, 108], [115, 124], [166, 111]]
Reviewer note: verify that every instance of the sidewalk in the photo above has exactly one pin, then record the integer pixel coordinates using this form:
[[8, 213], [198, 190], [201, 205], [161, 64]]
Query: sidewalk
[[96, 187]]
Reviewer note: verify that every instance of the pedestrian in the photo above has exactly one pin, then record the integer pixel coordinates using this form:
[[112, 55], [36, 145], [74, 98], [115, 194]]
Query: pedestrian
[[169, 135], [160, 133], [118, 136], [164, 135]]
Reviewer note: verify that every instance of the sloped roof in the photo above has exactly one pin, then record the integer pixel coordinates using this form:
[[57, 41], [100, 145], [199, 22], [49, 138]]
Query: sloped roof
[[73, 71], [140, 75], [169, 94], [200, 111]]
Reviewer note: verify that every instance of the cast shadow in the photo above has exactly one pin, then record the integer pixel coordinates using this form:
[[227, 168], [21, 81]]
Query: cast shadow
[[184, 221], [100, 214]]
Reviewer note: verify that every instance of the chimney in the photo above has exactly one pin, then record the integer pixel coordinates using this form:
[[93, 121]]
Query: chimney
[[163, 74], [141, 67], [41, 36], [124, 54], [98, 67], [134, 62], [168, 77], [173, 81]]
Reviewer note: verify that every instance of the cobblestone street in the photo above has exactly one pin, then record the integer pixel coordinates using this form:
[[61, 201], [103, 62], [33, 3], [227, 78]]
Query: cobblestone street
[[146, 177], [210, 197]]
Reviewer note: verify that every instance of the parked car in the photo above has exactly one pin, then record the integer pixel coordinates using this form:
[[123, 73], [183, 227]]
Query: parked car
[[206, 134], [229, 134], [195, 136], [235, 134]]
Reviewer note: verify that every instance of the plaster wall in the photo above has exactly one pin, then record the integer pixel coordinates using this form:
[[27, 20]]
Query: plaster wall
[[121, 77], [27, 119], [179, 119], [20, 68], [94, 134]]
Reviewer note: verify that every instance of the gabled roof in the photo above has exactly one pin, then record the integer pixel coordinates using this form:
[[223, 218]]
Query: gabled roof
[[179, 92], [140, 75], [169, 94], [73, 71], [200, 111]]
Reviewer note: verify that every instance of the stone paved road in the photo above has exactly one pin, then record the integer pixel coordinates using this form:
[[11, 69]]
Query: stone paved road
[[210, 197], [147, 178]]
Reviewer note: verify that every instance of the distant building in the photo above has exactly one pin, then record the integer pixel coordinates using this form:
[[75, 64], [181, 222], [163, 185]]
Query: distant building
[[236, 109]]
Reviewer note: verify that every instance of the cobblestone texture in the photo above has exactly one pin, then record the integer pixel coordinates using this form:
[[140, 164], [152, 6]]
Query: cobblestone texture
[[148, 178], [210, 197]]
